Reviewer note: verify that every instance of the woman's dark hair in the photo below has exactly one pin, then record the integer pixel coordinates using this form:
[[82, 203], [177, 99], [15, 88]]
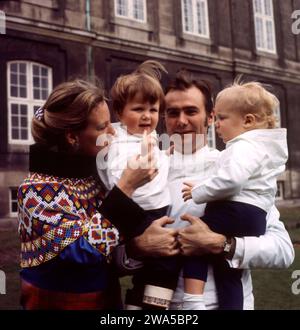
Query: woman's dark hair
[[184, 80]]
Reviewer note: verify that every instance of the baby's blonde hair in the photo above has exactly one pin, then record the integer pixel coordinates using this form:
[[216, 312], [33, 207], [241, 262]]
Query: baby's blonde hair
[[252, 98]]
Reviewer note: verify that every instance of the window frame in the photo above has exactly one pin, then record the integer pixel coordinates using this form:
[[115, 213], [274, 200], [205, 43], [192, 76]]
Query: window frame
[[278, 116], [11, 200], [195, 19], [29, 100], [130, 11], [280, 190], [265, 18], [211, 136], [280, 183]]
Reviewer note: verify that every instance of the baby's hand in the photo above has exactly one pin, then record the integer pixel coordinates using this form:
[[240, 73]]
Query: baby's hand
[[187, 191]]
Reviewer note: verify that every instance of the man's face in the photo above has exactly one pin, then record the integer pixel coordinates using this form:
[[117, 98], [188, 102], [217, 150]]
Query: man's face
[[185, 115]]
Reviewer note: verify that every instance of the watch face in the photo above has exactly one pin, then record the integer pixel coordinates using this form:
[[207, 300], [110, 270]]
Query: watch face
[[227, 247]]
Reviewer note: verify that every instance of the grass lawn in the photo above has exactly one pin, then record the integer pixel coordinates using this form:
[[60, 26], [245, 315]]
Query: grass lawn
[[9, 263], [291, 218], [272, 288]]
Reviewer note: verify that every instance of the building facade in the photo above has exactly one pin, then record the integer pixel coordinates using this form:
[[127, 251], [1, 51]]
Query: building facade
[[47, 42]]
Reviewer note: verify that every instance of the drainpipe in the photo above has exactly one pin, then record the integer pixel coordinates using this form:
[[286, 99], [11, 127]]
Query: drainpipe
[[90, 65]]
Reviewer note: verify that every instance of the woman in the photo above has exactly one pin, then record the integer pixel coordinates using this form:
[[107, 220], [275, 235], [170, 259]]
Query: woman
[[65, 240]]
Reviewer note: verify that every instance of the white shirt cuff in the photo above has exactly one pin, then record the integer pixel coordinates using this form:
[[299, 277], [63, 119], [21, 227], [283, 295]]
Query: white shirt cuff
[[238, 256]]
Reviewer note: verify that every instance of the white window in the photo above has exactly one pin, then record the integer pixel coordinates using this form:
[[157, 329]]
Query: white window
[[280, 190], [29, 85], [280, 183], [211, 136], [278, 116], [131, 9], [13, 201], [195, 17], [2, 22], [264, 26]]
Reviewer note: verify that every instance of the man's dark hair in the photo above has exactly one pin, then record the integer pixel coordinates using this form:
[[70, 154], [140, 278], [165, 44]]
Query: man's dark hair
[[184, 80]]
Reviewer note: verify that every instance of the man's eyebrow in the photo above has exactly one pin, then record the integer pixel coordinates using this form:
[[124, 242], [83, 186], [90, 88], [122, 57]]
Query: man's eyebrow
[[173, 109], [187, 107], [190, 107]]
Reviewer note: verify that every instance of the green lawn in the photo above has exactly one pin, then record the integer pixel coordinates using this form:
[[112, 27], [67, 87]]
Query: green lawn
[[9, 263], [272, 288], [291, 218]]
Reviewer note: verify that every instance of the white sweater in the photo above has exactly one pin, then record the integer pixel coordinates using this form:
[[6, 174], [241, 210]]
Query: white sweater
[[152, 195], [247, 169]]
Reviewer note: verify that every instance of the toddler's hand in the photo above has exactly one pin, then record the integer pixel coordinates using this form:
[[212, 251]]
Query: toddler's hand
[[187, 191]]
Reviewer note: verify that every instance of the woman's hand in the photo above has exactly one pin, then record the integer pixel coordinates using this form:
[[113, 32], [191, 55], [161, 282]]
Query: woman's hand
[[140, 169], [156, 241], [198, 239]]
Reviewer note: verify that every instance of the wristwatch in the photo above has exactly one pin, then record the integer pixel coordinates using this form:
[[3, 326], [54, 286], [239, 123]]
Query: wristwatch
[[227, 245]]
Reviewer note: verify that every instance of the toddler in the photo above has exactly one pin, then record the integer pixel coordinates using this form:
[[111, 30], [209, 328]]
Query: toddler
[[137, 99], [243, 188]]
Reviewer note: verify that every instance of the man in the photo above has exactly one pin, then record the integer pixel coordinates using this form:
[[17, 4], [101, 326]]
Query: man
[[189, 113]]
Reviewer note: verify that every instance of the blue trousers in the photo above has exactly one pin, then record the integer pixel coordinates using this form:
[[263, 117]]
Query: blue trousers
[[230, 219]]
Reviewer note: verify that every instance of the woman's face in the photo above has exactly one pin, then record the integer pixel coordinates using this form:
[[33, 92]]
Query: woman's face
[[98, 125]]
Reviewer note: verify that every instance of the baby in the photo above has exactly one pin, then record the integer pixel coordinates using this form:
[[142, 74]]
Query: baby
[[243, 188], [137, 99]]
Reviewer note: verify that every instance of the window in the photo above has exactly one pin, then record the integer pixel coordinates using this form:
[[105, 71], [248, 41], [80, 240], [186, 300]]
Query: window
[[278, 116], [131, 9], [211, 136], [280, 190], [280, 182], [195, 17], [29, 85], [2, 22], [13, 198], [264, 26]]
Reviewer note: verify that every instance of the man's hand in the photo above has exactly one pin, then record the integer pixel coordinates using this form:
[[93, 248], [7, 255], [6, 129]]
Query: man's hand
[[156, 241], [198, 239], [187, 191]]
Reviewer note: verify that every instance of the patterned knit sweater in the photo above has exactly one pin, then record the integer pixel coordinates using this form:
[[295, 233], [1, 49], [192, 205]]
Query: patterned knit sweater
[[54, 212], [69, 225]]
